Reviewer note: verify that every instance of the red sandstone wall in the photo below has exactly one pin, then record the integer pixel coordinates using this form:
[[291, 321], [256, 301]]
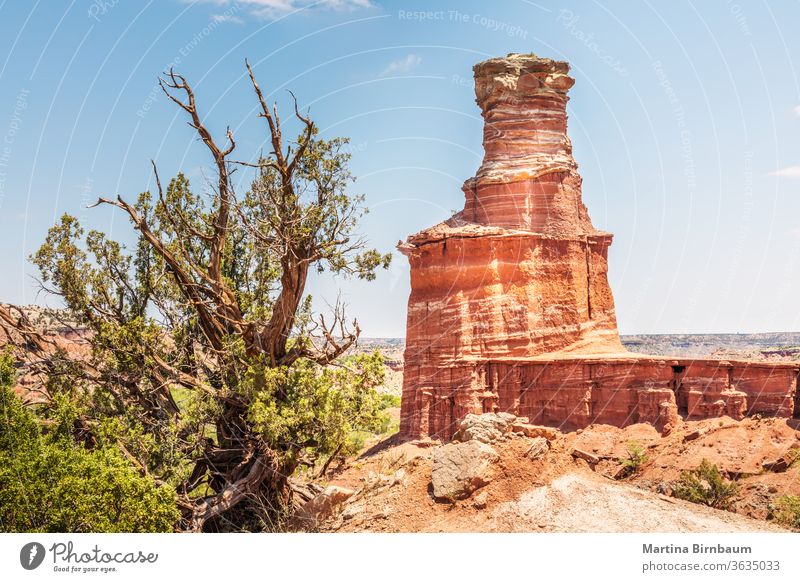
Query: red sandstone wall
[[574, 393]]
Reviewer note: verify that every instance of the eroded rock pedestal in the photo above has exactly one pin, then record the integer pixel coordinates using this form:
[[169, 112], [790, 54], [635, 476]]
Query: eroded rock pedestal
[[510, 307]]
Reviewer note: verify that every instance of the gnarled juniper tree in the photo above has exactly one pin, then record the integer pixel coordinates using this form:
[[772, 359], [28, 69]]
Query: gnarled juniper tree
[[209, 368]]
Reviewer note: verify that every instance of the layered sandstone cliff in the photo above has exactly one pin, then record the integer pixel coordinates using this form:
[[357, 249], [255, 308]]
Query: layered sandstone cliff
[[510, 296]]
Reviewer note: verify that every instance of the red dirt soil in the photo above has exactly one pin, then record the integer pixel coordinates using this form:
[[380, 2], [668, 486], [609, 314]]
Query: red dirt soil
[[559, 493]]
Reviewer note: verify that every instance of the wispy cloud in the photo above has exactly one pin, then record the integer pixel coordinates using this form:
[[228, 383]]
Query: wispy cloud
[[272, 9], [226, 18], [401, 66], [797, 110], [789, 172]]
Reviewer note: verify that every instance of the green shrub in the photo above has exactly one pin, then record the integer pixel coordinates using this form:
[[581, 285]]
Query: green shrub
[[50, 483], [637, 456], [707, 486], [354, 442], [787, 511], [388, 401]]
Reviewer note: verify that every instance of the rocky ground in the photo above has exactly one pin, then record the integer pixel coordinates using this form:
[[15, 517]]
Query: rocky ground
[[517, 477]]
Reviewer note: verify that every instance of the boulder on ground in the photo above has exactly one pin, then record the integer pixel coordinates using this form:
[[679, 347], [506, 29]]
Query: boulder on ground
[[586, 456], [538, 449], [782, 463], [694, 435], [461, 468], [485, 428]]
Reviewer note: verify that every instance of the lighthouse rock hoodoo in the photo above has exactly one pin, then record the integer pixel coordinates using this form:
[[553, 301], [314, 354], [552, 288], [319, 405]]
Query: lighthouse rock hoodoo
[[510, 307]]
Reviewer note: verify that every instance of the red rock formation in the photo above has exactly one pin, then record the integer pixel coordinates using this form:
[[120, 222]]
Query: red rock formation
[[510, 295], [521, 271]]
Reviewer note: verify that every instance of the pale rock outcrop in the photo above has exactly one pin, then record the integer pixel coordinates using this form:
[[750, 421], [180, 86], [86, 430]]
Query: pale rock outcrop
[[461, 468], [485, 428]]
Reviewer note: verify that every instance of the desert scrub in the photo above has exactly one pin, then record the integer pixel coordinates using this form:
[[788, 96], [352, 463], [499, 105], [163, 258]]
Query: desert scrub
[[707, 486], [388, 401], [49, 482], [787, 511], [637, 456], [793, 456]]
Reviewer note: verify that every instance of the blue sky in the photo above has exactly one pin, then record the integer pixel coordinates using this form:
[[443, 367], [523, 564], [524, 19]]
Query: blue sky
[[685, 121]]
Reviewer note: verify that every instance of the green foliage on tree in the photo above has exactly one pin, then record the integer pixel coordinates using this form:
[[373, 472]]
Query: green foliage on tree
[[707, 486], [209, 366], [50, 483], [320, 406]]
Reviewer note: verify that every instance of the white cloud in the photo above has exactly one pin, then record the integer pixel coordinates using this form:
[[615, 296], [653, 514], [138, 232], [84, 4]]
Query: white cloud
[[789, 172], [272, 9], [401, 66], [226, 18], [797, 110]]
